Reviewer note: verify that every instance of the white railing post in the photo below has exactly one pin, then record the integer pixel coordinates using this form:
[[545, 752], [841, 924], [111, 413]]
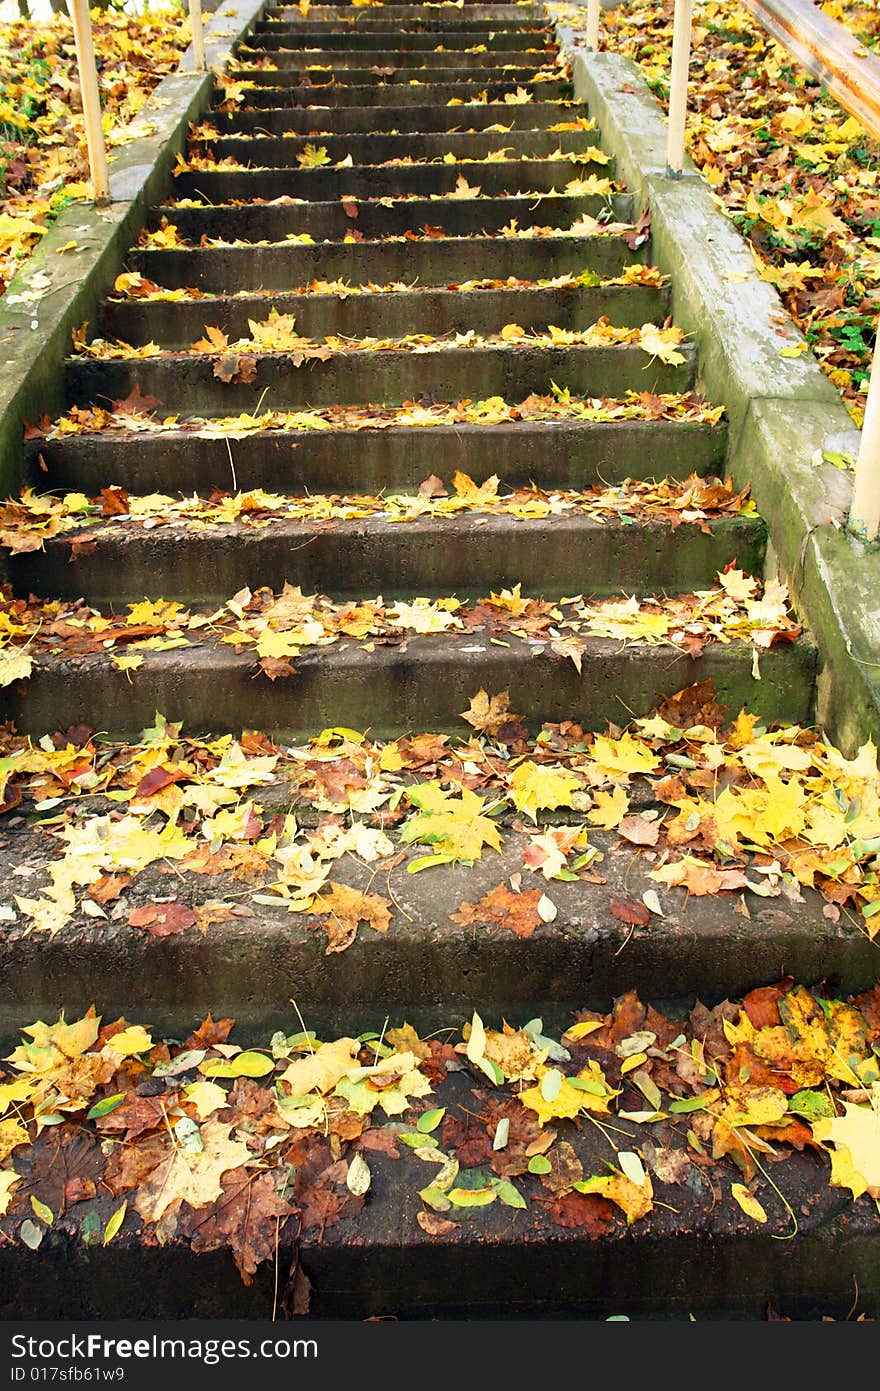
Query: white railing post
[[864, 512], [593, 24], [678, 87], [198, 35], [91, 99]]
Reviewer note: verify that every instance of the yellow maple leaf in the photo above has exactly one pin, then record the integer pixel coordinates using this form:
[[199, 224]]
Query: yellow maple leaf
[[620, 757], [536, 787], [454, 825], [855, 1163], [609, 808], [634, 1199], [8, 1180], [313, 156]]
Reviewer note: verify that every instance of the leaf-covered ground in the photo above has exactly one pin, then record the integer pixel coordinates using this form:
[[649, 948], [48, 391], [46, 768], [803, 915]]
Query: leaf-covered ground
[[711, 807], [794, 172], [43, 163], [109, 1132]]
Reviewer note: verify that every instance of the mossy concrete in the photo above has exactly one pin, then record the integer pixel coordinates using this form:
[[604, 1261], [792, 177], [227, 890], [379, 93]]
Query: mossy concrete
[[783, 411], [59, 289]]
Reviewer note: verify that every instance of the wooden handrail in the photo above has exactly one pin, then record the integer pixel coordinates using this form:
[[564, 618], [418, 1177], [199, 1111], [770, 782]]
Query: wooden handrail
[[827, 50]]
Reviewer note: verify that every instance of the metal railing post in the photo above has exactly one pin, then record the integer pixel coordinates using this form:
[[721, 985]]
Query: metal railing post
[[91, 99], [864, 512], [198, 35], [678, 87]]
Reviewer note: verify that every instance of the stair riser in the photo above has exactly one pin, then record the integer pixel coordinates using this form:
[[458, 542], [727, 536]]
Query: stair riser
[[351, 559], [476, 76], [290, 60], [353, 120], [225, 270], [456, 216], [378, 181], [571, 455], [269, 95], [429, 972], [401, 41], [391, 691], [390, 315], [283, 153], [187, 385], [424, 24]]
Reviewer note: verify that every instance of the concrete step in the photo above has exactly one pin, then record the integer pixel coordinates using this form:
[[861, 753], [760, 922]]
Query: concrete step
[[371, 219], [425, 23], [398, 41], [694, 1255], [498, 11], [282, 266], [418, 685], [387, 314], [269, 93], [426, 968], [188, 384], [356, 120], [270, 152], [566, 453], [493, 178], [343, 60], [432, 557], [476, 76]]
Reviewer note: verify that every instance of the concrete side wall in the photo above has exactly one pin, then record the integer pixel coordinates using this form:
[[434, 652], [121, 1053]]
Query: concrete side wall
[[58, 290], [783, 411]]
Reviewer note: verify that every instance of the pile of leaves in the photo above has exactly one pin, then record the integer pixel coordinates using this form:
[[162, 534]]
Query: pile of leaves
[[137, 413], [794, 172], [111, 1134], [711, 808], [43, 163], [279, 626], [237, 360], [27, 522]]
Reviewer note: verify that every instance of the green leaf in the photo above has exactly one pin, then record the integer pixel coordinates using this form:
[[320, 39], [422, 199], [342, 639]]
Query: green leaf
[[31, 1234], [426, 861], [510, 1196], [812, 1105], [247, 1064], [115, 1223], [472, 1197], [586, 1084], [90, 1228], [416, 1141], [683, 1105], [429, 1120], [44, 1213], [539, 1164], [105, 1106], [435, 1198]]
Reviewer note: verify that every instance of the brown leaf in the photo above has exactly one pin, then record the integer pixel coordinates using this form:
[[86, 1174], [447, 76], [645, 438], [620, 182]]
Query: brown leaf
[[503, 908], [236, 367], [162, 919], [630, 910], [435, 1225], [115, 501], [345, 908], [488, 713], [381, 1141], [583, 1211], [639, 830], [273, 667], [109, 887], [247, 1218], [762, 1005], [432, 486], [350, 208], [135, 403]]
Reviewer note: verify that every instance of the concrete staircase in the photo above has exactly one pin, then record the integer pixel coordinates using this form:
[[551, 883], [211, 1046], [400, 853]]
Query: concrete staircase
[[441, 127]]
